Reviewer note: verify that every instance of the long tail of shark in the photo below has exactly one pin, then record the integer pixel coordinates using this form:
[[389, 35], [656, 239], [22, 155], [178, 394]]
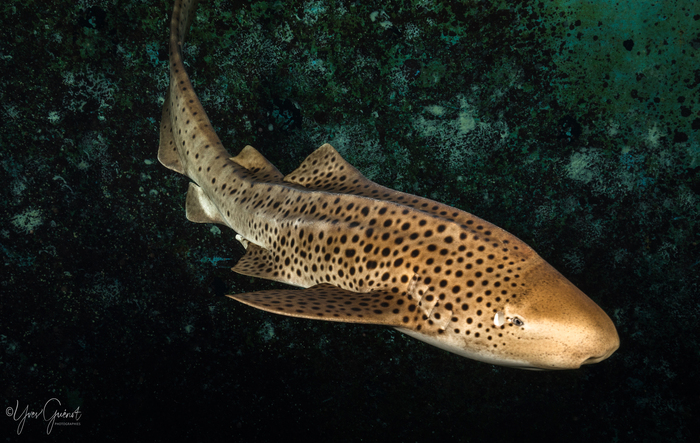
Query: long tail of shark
[[181, 101]]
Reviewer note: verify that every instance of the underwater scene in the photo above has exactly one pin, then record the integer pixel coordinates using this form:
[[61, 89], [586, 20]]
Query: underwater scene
[[572, 125]]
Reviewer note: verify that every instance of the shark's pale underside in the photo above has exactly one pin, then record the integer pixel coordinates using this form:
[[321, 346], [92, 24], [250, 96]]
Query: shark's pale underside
[[367, 254]]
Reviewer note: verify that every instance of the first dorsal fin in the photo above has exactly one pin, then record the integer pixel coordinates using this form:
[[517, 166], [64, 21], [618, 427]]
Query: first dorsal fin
[[326, 170], [328, 302]]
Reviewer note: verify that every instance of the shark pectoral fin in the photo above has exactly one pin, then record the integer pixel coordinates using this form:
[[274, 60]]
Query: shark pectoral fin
[[198, 207], [328, 302], [255, 162], [167, 151]]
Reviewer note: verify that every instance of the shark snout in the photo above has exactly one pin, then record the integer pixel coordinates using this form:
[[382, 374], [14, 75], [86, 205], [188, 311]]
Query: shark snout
[[582, 344], [603, 340], [588, 337], [568, 327]]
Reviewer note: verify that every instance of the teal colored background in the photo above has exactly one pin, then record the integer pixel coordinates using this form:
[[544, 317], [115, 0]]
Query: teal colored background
[[573, 125]]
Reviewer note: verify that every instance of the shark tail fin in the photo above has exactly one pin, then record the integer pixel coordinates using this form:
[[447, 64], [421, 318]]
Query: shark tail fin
[[167, 150]]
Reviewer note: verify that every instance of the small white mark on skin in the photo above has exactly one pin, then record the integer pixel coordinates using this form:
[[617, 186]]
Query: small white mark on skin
[[499, 319], [242, 240]]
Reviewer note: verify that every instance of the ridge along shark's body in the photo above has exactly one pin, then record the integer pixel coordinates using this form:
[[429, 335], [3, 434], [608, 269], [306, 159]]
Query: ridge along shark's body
[[369, 254]]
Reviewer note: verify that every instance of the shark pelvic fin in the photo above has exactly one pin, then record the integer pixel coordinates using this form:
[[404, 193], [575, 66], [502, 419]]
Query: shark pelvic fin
[[257, 262], [328, 302], [199, 208], [167, 151], [255, 162]]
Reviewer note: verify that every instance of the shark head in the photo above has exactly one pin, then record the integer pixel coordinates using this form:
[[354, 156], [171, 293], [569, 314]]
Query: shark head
[[545, 323], [555, 325]]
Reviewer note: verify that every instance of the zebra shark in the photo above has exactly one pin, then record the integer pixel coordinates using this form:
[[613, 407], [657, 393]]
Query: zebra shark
[[364, 253]]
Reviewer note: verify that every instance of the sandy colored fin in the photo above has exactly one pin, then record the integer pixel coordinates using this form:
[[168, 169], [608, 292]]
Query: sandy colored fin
[[255, 162], [199, 208], [167, 151], [328, 302], [257, 262], [326, 170]]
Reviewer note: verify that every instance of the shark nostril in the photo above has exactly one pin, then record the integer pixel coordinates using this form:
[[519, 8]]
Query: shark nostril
[[600, 355], [591, 360]]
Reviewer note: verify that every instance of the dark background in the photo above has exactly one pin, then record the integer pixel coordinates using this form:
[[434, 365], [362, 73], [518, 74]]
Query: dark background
[[573, 125]]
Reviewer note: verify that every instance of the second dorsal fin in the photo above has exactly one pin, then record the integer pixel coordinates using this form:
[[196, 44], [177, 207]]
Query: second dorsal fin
[[256, 163]]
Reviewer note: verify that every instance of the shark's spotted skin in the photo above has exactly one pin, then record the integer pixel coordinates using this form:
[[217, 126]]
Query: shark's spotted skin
[[369, 254]]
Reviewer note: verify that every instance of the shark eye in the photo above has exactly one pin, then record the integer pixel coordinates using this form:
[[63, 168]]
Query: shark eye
[[518, 322]]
